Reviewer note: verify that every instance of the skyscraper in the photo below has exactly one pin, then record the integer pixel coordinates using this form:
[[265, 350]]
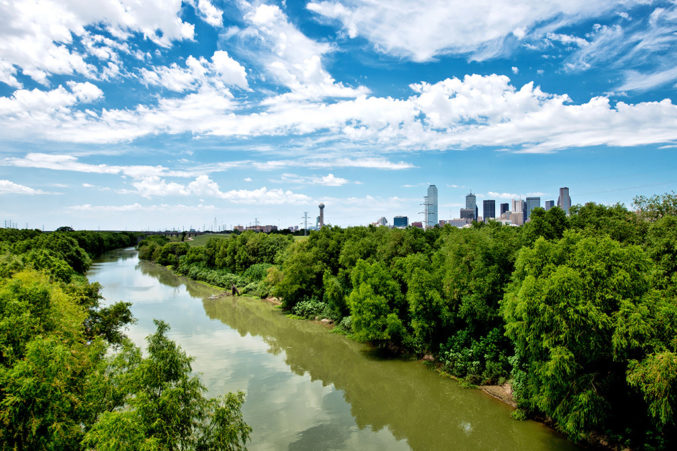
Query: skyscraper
[[532, 202], [431, 207], [400, 221], [564, 201], [505, 207], [549, 204], [471, 204], [488, 209]]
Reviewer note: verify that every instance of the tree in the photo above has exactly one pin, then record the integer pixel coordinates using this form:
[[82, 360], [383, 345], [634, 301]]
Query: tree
[[654, 207], [375, 304], [577, 310], [165, 407]]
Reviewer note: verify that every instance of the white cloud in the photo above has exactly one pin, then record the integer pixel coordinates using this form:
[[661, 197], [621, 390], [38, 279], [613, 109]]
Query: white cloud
[[512, 195], [515, 70], [8, 187], [248, 179], [24, 102], [645, 50], [35, 34], [222, 70], [288, 56], [58, 162], [327, 180], [138, 207], [637, 81], [203, 186], [568, 39], [481, 29], [209, 13], [450, 114]]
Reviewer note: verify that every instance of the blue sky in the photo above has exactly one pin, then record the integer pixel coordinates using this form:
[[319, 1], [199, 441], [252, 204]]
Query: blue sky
[[119, 114]]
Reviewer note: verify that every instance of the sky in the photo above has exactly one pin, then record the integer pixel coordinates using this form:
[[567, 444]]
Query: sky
[[169, 114]]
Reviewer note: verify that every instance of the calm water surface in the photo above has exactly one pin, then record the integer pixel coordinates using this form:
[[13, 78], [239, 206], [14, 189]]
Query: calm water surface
[[306, 387]]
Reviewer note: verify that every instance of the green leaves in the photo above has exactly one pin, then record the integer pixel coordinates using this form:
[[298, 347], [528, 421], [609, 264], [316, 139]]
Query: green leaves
[[163, 405]]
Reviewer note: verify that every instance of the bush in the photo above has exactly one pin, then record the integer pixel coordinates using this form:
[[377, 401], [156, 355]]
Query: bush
[[256, 272], [480, 361], [310, 309]]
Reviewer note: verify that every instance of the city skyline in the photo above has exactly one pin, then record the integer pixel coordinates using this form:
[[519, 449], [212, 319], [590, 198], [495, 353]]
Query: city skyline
[[156, 115]]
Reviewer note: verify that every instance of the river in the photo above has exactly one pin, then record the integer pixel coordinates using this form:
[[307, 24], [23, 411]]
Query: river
[[308, 388]]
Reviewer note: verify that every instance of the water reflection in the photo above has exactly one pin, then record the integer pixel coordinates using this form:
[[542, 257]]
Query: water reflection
[[306, 387]]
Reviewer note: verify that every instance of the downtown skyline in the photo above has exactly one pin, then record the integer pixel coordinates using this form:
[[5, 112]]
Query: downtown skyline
[[168, 114]]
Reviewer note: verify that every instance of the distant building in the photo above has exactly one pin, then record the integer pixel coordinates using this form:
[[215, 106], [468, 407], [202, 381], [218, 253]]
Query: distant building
[[549, 204], [532, 202], [517, 218], [262, 228], [238, 228], [519, 206], [382, 221], [400, 221], [417, 224], [489, 209], [468, 213], [505, 207], [430, 204], [460, 223], [564, 201], [471, 204]]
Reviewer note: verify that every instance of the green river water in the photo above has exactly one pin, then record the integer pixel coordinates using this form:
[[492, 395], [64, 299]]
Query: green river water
[[307, 388]]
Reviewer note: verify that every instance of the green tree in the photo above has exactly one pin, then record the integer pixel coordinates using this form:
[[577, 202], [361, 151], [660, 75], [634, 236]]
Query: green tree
[[576, 311], [655, 207], [376, 304], [165, 407]]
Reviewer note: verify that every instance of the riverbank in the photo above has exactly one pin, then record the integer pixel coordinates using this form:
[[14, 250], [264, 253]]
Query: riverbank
[[307, 386]]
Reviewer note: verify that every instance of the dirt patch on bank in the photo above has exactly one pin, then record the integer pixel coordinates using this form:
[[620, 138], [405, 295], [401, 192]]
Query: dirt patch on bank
[[501, 392]]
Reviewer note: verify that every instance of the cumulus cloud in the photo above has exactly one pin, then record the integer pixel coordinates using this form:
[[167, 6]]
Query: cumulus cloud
[[481, 29], [203, 186], [450, 114], [9, 187], [221, 71], [35, 35]]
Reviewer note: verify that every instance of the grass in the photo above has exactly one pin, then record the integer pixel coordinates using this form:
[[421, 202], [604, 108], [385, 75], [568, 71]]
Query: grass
[[201, 240]]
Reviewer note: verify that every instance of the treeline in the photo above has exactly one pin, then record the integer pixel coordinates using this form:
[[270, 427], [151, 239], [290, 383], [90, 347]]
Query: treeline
[[579, 312], [242, 260], [70, 379]]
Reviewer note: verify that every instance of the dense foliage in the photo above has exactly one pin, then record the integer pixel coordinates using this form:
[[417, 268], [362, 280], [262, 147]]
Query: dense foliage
[[579, 312], [69, 379]]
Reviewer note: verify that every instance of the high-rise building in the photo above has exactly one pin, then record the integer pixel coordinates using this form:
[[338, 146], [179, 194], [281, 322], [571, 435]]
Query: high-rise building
[[488, 209], [468, 213], [549, 204], [564, 201], [532, 202], [471, 204], [400, 221], [505, 207], [430, 203]]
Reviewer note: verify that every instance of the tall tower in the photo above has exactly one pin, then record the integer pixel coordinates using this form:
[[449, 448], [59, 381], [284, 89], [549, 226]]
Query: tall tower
[[532, 202], [488, 209], [564, 201], [471, 204], [321, 215], [431, 207]]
